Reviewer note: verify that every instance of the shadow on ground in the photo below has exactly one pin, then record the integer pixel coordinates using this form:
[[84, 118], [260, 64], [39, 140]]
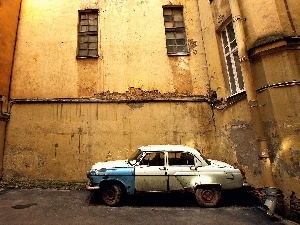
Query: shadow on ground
[[229, 198]]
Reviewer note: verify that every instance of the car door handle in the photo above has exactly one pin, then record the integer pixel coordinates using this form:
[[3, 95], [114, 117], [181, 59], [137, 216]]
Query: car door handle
[[162, 168]]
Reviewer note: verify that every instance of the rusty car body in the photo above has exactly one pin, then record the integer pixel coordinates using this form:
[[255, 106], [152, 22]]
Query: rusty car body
[[164, 168]]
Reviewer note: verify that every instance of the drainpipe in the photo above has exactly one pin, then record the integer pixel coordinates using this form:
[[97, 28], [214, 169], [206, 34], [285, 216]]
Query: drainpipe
[[5, 105], [266, 167]]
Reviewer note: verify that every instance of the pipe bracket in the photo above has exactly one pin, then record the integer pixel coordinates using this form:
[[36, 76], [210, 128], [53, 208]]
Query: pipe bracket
[[238, 18], [264, 154], [254, 103], [244, 58]]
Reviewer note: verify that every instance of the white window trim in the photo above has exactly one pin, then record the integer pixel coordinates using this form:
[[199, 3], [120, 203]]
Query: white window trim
[[231, 53]]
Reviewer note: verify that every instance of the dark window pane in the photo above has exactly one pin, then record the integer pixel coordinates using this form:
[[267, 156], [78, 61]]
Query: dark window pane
[[179, 24], [93, 16], [84, 22], [180, 35], [93, 46], [93, 22], [180, 48], [88, 33], [167, 11], [171, 49], [83, 28], [83, 46], [231, 34], [233, 44], [93, 39], [178, 18], [170, 35], [226, 50], [169, 24], [83, 39], [181, 42], [82, 52], [93, 28], [171, 42], [224, 38], [168, 18], [176, 37], [177, 11], [93, 53]]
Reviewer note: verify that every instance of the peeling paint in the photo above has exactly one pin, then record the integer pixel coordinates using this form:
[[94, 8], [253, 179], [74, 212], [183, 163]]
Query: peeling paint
[[137, 94], [192, 46]]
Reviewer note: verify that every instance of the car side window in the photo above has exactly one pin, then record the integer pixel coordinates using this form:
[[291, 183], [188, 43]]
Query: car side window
[[180, 159], [153, 159]]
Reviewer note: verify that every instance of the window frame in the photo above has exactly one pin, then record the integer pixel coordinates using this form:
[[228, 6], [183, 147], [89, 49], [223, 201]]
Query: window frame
[[175, 161], [231, 58], [150, 159], [175, 34], [87, 34]]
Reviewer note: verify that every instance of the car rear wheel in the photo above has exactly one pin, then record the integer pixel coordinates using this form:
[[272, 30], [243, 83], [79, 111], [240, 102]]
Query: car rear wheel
[[208, 196], [111, 194]]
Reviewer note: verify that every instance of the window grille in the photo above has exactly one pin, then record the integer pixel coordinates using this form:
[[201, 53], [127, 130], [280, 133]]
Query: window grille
[[175, 30], [88, 34]]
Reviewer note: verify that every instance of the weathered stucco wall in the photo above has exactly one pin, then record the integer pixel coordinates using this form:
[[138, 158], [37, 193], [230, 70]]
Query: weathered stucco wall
[[9, 12], [132, 58], [131, 48], [61, 141], [275, 66], [235, 140], [281, 112], [262, 26], [53, 138]]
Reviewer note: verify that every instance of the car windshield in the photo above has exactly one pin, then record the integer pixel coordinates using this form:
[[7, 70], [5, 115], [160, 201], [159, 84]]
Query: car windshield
[[135, 155], [205, 159]]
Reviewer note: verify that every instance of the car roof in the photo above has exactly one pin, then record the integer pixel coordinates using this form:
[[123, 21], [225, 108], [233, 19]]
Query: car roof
[[169, 148]]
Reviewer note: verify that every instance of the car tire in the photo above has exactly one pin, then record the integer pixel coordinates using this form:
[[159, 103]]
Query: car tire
[[208, 196], [111, 194]]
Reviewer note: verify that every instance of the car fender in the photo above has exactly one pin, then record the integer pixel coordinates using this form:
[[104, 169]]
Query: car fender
[[124, 176]]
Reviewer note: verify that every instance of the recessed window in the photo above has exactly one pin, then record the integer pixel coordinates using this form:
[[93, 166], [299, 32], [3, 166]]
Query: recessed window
[[175, 30], [153, 159], [231, 56], [88, 34], [180, 159]]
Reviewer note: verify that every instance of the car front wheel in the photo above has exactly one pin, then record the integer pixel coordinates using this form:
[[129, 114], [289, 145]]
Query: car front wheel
[[111, 194], [208, 196]]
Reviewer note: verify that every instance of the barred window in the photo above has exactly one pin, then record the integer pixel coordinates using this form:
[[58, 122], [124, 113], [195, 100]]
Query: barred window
[[175, 30], [87, 34], [230, 50]]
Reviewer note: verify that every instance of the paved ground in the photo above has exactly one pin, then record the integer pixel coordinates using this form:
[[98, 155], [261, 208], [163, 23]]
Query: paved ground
[[46, 206]]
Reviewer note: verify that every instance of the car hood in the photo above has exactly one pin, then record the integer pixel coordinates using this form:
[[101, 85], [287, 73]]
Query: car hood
[[219, 164], [111, 164]]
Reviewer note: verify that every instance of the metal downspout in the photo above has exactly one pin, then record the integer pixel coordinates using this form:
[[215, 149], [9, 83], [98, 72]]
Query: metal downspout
[[264, 157], [6, 107]]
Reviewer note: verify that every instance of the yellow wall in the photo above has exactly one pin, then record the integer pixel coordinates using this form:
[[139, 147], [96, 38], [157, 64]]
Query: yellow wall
[[9, 12], [274, 59], [131, 48], [61, 141], [56, 139]]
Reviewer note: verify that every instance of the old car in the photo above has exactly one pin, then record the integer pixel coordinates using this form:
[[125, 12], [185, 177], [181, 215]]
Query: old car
[[164, 168]]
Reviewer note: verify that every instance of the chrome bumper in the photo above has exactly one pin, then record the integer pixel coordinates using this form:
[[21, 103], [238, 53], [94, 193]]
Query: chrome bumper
[[91, 188]]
